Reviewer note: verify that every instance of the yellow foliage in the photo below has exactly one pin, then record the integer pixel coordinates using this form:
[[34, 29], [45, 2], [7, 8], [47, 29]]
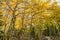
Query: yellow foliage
[[28, 28], [3, 27], [28, 10], [43, 28], [16, 12], [4, 3], [18, 23], [14, 0], [43, 10]]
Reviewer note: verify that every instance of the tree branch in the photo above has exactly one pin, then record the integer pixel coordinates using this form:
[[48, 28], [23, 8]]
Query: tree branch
[[17, 14], [9, 6], [35, 13]]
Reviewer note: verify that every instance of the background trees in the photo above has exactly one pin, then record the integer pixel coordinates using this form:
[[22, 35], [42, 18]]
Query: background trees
[[26, 17]]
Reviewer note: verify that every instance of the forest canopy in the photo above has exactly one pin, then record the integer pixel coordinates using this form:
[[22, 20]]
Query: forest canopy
[[25, 15]]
